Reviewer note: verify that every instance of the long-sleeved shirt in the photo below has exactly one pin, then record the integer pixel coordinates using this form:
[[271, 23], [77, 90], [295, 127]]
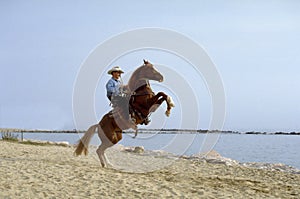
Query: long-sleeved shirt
[[112, 87]]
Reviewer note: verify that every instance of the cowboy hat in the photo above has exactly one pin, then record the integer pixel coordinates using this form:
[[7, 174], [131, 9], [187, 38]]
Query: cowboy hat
[[115, 69]]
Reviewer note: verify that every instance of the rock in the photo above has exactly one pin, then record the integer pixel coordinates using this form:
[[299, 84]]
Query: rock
[[139, 149], [63, 143], [272, 167], [214, 158], [210, 154]]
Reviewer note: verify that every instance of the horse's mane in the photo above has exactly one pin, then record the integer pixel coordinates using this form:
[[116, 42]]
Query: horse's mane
[[134, 77]]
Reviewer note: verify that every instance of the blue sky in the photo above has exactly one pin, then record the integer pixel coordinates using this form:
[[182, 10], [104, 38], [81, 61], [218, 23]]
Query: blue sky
[[255, 46]]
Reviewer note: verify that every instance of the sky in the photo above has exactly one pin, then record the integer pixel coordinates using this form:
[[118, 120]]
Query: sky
[[255, 46]]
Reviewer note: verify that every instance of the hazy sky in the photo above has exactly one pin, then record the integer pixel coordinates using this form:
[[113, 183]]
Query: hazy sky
[[254, 44]]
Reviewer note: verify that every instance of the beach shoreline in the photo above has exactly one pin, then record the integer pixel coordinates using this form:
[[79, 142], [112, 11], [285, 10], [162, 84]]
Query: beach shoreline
[[29, 171]]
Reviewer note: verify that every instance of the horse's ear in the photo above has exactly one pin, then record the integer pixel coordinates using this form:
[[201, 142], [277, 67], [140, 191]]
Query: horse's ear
[[146, 62]]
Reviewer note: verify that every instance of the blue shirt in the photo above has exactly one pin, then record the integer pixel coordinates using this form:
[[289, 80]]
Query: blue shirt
[[113, 87]]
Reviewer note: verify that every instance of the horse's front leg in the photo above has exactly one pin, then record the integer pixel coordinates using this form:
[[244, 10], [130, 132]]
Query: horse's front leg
[[158, 100], [170, 104]]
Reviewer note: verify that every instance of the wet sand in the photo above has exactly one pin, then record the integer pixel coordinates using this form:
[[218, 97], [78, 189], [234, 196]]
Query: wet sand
[[28, 171]]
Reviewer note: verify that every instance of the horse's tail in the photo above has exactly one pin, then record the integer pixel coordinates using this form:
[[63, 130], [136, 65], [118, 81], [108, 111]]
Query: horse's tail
[[83, 144]]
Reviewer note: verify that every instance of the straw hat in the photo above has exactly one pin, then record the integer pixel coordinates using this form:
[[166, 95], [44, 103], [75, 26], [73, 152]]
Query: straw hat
[[115, 69]]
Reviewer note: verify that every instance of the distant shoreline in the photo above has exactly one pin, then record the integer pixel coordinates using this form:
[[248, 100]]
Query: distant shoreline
[[150, 131]]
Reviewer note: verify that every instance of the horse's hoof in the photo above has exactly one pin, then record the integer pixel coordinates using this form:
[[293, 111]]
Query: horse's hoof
[[171, 102], [103, 165], [167, 113]]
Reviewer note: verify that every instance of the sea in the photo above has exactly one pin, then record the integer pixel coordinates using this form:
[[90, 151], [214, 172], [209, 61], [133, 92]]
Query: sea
[[262, 148]]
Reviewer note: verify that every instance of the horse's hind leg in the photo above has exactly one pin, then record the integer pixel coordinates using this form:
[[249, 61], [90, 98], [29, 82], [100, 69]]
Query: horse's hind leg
[[105, 143], [103, 159], [100, 153]]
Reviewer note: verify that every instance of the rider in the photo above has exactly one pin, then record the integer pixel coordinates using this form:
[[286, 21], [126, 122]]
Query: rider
[[113, 85], [114, 91]]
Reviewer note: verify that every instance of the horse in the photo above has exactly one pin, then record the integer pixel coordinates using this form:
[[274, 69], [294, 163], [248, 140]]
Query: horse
[[142, 101]]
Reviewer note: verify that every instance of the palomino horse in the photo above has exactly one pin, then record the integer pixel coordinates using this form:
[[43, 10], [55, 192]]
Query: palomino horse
[[141, 102]]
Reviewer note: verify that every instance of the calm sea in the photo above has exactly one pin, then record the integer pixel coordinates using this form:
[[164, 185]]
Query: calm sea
[[243, 148]]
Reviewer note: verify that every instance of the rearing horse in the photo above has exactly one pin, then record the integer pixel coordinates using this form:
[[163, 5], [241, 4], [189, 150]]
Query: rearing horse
[[142, 101]]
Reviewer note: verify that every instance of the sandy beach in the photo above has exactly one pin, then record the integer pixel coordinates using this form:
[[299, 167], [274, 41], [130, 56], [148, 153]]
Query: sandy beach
[[29, 171]]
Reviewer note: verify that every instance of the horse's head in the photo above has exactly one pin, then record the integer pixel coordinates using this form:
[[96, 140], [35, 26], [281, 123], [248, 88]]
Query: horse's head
[[144, 73], [149, 72]]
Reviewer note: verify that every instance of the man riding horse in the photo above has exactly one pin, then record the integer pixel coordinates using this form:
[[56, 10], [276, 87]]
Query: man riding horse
[[119, 97], [138, 99]]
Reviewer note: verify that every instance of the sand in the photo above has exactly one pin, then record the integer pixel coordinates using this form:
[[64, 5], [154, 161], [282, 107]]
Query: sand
[[28, 171]]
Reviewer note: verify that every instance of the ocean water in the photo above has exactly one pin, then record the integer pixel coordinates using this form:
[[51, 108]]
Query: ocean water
[[243, 148]]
